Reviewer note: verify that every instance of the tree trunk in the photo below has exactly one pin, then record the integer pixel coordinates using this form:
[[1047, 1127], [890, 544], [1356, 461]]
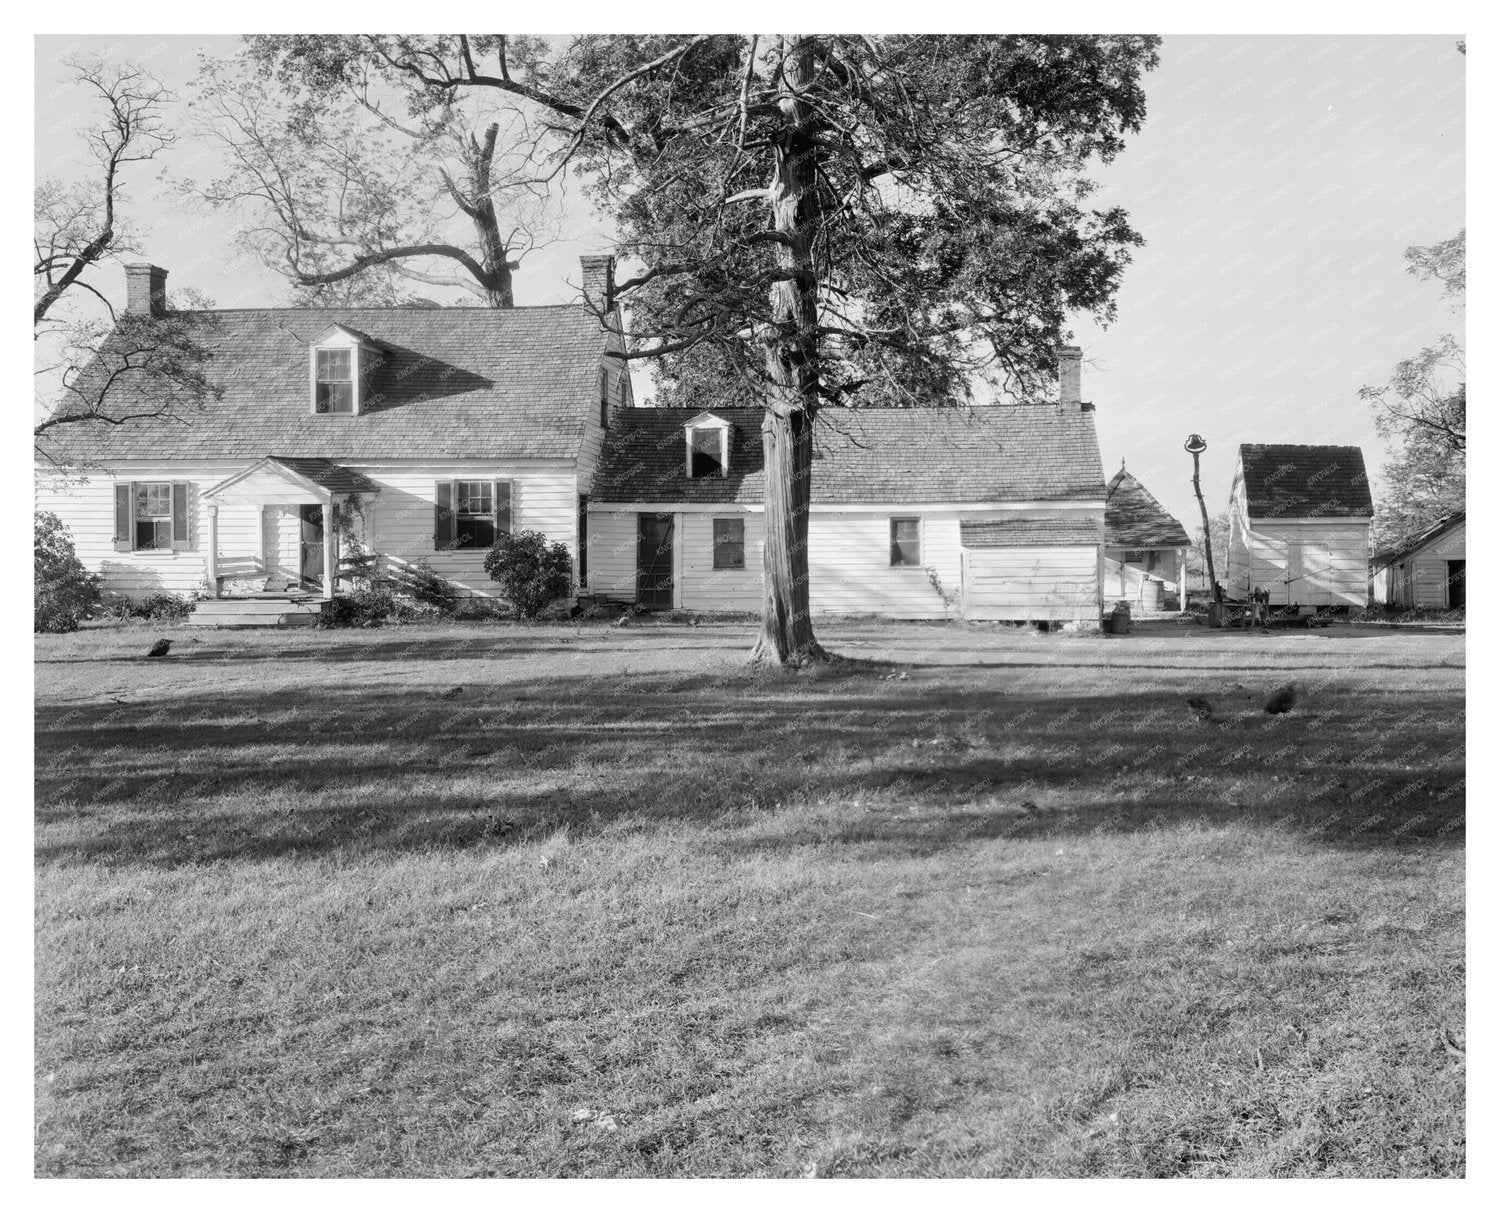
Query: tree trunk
[[786, 633]]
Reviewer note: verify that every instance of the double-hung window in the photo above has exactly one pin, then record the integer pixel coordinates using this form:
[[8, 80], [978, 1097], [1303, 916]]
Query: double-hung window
[[333, 389], [906, 542], [151, 516], [470, 513], [729, 543]]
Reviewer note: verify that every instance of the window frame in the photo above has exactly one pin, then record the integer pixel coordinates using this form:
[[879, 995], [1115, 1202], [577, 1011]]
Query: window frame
[[448, 520], [463, 489], [895, 552], [723, 432], [719, 545], [353, 381], [177, 515]]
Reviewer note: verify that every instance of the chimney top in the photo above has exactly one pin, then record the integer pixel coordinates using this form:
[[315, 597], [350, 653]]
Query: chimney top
[[145, 289], [1070, 377], [598, 281]]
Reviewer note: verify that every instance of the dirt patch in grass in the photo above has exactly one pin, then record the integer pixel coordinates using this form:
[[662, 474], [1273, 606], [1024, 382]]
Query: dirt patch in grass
[[563, 900]]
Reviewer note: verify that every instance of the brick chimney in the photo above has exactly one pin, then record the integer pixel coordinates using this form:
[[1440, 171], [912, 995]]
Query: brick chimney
[[1070, 377], [599, 281], [145, 290]]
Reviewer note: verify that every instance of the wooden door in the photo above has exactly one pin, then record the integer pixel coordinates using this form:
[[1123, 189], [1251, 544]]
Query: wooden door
[[1296, 586], [653, 568], [312, 543]]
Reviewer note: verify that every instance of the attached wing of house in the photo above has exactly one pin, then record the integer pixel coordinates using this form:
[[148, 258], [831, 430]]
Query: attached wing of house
[[1145, 548], [986, 512], [409, 436]]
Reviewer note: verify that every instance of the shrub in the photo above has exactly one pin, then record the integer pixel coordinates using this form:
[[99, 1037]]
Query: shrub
[[530, 571], [163, 607], [366, 607], [65, 592]]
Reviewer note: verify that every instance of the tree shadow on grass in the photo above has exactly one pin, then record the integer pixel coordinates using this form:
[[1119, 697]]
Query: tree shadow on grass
[[920, 766]]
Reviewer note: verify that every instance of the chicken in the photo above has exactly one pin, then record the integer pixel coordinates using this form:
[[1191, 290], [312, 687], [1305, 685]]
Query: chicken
[[1201, 707], [159, 649], [1284, 699]]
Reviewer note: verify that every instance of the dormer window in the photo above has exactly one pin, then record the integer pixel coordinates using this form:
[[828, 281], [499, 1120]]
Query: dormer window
[[707, 447], [334, 390], [342, 362]]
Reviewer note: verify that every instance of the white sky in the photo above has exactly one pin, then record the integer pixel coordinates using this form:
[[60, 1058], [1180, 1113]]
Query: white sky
[[1277, 181]]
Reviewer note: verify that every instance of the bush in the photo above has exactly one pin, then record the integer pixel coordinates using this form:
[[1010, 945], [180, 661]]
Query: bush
[[65, 592], [163, 607], [366, 607], [530, 571]]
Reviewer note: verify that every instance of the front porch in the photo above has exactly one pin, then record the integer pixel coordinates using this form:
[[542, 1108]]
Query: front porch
[[295, 566]]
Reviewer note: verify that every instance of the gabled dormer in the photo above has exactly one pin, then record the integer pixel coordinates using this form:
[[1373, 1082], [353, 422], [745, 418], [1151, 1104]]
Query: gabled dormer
[[708, 442], [341, 363]]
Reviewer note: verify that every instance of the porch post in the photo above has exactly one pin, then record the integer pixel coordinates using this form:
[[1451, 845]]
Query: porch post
[[329, 539], [213, 549], [1182, 579]]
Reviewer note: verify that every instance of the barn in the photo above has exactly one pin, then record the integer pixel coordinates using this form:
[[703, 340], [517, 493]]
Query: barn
[[1299, 525], [1427, 570], [1145, 548]]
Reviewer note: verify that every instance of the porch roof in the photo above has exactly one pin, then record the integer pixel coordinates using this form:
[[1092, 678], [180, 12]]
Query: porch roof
[[321, 474]]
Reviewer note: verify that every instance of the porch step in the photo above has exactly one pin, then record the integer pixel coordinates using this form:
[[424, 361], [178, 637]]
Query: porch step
[[250, 613]]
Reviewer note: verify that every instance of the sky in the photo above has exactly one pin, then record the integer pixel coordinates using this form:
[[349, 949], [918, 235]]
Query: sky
[[1277, 182]]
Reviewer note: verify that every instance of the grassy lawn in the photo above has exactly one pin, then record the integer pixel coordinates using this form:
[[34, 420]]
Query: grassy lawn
[[468, 900]]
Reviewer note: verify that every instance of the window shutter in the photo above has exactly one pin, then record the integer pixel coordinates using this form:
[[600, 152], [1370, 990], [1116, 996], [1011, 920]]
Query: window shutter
[[502, 507], [181, 528], [124, 516], [444, 526]]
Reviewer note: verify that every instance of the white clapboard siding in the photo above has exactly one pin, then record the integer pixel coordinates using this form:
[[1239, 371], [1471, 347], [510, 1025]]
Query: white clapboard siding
[[86, 507], [1330, 557], [1022, 583], [400, 517], [282, 539], [850, 573], [705, 588], [612, 553]]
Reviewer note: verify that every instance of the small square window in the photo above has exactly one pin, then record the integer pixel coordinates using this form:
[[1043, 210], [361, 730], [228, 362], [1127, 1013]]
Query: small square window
[[906, 542], [729, 543]]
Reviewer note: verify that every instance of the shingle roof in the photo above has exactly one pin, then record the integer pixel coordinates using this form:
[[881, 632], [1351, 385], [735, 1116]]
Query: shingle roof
[[328, 474], [1133, 518], [993, 453], [1421, 539], [1026, 532], [458, 383], [1283, 480]]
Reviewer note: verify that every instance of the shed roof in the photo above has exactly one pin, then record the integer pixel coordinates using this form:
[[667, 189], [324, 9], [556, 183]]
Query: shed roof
[[1420, 540], [1133, 518], [991, 453], [1284, 480], [457, 383], [979, 532]]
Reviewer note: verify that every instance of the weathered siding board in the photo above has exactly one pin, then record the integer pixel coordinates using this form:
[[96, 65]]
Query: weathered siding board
[[1308, 564], [1430, 583], [1020, 583]]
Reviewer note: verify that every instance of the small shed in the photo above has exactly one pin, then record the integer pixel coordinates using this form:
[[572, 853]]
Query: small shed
[[1299, 525], [1030, 568], [1145, 548], [1427, 570]]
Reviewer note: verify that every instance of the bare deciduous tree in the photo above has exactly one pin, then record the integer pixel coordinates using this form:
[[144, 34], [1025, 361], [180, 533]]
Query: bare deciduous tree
[[83, 360]]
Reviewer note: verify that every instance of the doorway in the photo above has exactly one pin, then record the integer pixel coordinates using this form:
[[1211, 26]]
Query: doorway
[[312, 544], [653, 568], [1456, 585]]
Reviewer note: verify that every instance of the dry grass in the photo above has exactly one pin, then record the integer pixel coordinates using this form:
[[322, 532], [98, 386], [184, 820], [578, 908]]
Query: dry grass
[[982, 902]]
